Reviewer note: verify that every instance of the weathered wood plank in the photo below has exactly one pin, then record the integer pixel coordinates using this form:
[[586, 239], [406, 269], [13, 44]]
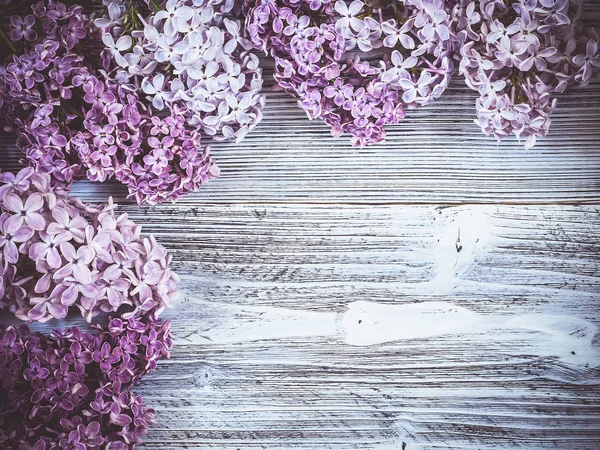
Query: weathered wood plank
[[437, 155], [326, 303], [346, 327], [474, 349]]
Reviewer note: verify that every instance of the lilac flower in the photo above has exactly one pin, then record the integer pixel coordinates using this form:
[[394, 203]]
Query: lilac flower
[[311, 57], [23, 28], [175, 17], [82, 256], [77, 262], [78, 357], [415, 90], [122, 44], [9, 343], [73, 227], [10, 237], [105, 357], [96, 95], [188, 59], [360, 40], [35, 370], [18, 182], [75, 31], [47, 249], [517, 56], [42, 116], [57, 396], [156, 89], [397, 35], [24, 213], [72, 442], [588, 61], [348, 14], [339, 91]]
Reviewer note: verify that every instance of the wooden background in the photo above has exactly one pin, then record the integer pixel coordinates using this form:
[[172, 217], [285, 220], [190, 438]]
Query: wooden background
[[437, 291]]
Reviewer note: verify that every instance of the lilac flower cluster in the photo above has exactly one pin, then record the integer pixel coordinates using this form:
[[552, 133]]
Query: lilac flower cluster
[[73, 120], [517, 54], [322, 50], [188, 56], [73, 390], [57, 252], [39, 86]]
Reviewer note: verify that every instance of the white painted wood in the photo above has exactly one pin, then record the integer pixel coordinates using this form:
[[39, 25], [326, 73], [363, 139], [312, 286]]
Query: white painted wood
[[351, 326]]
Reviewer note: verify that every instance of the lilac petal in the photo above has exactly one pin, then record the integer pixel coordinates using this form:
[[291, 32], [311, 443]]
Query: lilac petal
[[86, 255], [34, 202], [11, 254], [69, 296], [61, 215], [407, 42], [53, 258], [37, 312], [58, 310], [38, 250], [13, 203], [89, 290], [13, 224], [114, 298], [390, 41], [82, 274], [122, 420], [35, 221], [43, 284], [68, 251]]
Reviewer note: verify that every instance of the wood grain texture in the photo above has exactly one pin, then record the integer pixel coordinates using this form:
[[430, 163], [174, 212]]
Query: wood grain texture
[[288, 158], [282, 342], [436, 291]]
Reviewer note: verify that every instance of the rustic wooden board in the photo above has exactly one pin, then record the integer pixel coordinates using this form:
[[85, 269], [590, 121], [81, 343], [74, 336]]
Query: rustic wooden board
[[329, 326], [436, 291], [350, 326], [436, 155]]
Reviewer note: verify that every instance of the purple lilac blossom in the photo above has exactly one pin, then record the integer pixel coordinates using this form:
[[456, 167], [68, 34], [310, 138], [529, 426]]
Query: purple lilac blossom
[[74, 389], [73, 120], [323, 59], [188, 57], [57, 253], [517, 55]]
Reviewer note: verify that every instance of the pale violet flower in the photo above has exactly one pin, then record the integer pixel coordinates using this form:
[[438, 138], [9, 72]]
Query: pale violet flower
[[175, 16], [395, 35], [348, 15], [121, 45], [155, 89]]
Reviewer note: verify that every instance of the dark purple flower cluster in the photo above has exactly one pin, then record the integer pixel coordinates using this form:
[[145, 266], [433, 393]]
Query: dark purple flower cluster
[[73, 120], [322, 49], [57, 252], [38, 88], [73, 390], [517, 54]]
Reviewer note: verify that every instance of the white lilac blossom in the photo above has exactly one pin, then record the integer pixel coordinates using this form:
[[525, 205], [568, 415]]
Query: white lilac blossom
[[322, 50], [57, 253], [517, 55], [188, 55]]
